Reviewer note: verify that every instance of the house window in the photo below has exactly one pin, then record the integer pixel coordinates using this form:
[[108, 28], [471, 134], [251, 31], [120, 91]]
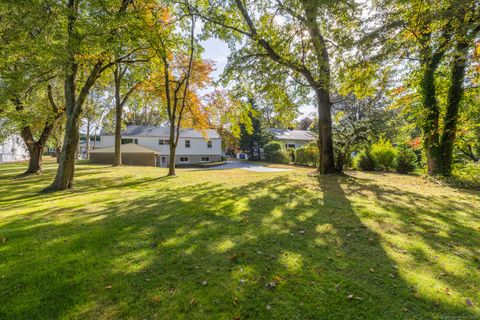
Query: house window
[[184, 159], [209, 144], [125, 141], [204, 159], [163, 142], [187, 143], [290, 146]]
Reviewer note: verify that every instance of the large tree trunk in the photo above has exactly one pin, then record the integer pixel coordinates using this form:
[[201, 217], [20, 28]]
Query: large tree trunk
[[118, 135], [35, 162], [173, 149], [34, 152], [117, 161], [430, 122], [455, 95], [325, 136], [321, 86], [66, 168]]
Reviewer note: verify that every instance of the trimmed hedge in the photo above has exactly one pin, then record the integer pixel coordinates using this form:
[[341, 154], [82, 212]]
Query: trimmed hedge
[[270, 150]]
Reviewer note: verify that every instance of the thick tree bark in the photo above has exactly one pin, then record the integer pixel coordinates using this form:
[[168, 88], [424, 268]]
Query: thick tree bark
[[34, 151], [455, 94], [173, 150], [325, 136], [66, 168], [430, 123], [171, 163]]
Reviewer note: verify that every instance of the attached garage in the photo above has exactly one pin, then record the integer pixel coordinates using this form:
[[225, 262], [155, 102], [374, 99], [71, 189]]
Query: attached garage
[[132, 155]]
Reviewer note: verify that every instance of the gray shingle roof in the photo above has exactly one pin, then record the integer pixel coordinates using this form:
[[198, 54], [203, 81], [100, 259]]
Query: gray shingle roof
[[286, 134], [147, 131]]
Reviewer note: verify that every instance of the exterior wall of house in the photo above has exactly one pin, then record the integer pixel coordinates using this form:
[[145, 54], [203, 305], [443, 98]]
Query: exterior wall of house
[[13, 149], [297, 143], [198, 147]]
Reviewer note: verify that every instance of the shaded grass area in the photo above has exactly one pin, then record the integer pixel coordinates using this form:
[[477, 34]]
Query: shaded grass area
[[130, 243]]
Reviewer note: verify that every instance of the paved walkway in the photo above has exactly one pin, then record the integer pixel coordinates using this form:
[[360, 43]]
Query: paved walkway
[[250, 166]]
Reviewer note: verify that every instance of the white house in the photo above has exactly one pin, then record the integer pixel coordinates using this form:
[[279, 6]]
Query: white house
[[293, 139], [194, 146], [13, 149]]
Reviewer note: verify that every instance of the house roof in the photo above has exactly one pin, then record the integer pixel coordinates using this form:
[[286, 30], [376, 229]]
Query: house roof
[[126, 148], [148, 131], [286, 134]]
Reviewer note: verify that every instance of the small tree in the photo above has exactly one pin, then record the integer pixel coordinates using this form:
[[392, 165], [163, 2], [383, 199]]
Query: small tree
[[270, 149], [252, 139], [406, 161], [383, 154]]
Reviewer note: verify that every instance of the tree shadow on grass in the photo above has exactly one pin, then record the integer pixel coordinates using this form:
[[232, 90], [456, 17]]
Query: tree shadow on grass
[[273, 248]]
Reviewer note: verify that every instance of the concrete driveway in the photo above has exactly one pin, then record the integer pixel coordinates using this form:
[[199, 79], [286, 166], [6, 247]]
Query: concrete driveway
[[249, 166]]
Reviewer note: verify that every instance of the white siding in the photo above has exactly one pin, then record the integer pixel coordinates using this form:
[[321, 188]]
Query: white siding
[[13, 149], [297, 143], [197, 146]]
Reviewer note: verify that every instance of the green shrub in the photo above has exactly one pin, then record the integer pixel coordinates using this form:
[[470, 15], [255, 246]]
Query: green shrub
[[383, 154], [270, 149], [363, 161], [307, 155], [291, 154], [406, 161], [280, 156], [300, 157], [465, 175]]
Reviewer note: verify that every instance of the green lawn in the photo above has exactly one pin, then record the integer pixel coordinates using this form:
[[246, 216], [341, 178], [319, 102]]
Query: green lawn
[[130, 243]]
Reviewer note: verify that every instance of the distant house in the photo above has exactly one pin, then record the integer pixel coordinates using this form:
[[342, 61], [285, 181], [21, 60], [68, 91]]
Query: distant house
[[193, 146], [13, 149], [293, 139]]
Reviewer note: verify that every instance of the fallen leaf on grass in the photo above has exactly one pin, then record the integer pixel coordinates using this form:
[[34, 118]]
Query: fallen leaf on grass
[[469, 302], [193, 301], [108, 287], [156, 299], [372, 270], [351, 296]]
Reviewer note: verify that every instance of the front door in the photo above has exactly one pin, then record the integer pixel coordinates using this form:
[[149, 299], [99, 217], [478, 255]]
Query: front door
[[163, 161]]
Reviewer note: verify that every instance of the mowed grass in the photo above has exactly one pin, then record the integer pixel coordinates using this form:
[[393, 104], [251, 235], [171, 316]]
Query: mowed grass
[[129, 243]]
